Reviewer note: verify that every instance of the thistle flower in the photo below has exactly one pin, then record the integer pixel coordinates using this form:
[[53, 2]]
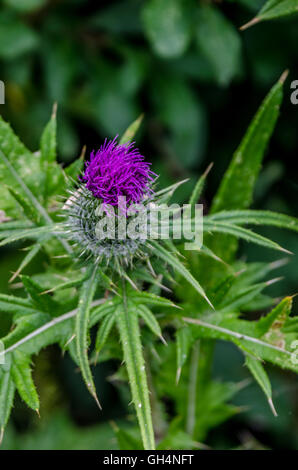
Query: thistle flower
[[113, 171], [118, 170]]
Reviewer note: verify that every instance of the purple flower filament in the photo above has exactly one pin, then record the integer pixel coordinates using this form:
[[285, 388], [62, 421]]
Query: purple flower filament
[[118, 170]]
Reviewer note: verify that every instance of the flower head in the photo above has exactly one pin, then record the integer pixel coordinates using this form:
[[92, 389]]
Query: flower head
[[118, 170]]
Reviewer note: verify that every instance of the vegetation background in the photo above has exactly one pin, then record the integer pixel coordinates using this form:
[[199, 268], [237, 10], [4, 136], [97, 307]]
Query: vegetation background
[[198, 80]]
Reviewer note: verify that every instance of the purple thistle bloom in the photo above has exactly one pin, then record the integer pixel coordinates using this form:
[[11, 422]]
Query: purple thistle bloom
[[118, 170]]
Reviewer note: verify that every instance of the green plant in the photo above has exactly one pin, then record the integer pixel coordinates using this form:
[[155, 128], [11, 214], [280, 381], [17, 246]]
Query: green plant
[[214, 294]]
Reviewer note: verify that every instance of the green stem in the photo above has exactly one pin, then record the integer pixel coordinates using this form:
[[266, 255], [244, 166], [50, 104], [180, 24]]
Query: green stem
[[199, 377], [192, 389]]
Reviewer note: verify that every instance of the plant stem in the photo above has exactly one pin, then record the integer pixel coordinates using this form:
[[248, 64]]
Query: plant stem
[[192, 389], [199, 376]]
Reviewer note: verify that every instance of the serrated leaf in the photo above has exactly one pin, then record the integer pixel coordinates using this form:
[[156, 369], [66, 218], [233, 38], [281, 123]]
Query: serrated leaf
[[22, 377], [253, 217], [150, 320], [104, 331], [198, 189], [236, 188], [81, 330], [242, 233], [25, 326], [260, 375], [48, 145], [73, 170], [7, 389], [17, 305], [274, 9], [48, 148], [276, 318], [129, 330], [43, 303], [151, 299], [29, 210], [33, 251], [245, 335], [98, 313], [34, 232], [131, 131], [178, 266]]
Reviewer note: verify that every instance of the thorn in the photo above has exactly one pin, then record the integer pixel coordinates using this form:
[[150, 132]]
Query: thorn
[[163, 340], [37, 411], [250, 23], [178, 374], [47, 291], [83, 152], [286, 251], [176, 306], [207, 300], [151, 268], [292, 296], [96, 400], [54, 111], [69, 341], [277, 264], [272, 407], [207, 171], [244, 383], [1, 434], [14, 276], [273, 281], [284, 76]]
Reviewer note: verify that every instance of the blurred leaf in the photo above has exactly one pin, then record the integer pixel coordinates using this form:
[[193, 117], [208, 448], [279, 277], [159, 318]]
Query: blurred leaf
[[61, 63], [167, 25], [25, 6], [126, 440], [114, 111], [16, 38], [220, 42], [184, 114], [184, 341], [121, 17], [176, 438]]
